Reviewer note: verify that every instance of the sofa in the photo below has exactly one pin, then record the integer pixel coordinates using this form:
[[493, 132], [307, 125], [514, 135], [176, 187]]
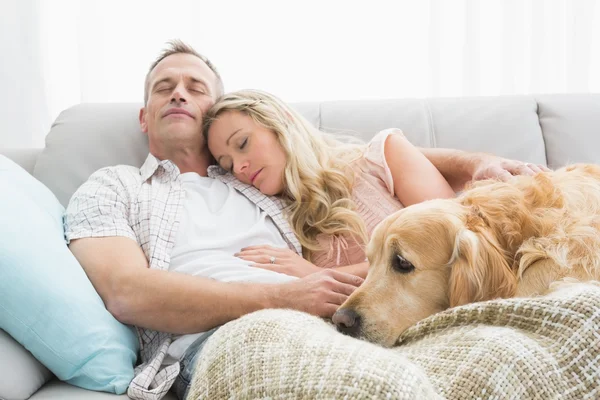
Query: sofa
[[552, 130]]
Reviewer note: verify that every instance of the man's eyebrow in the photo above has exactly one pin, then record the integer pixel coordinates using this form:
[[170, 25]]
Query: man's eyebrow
[[200, 81], [192, 79], [166, 79]]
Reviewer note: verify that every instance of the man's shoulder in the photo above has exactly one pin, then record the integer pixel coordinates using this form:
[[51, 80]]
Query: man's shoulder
[[125, 173], [122, 180]]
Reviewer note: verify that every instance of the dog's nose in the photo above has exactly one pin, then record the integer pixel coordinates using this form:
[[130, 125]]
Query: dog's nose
[[347, 321]]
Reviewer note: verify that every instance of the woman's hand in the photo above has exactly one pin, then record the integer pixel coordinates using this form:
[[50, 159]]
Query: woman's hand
[[284, 261]]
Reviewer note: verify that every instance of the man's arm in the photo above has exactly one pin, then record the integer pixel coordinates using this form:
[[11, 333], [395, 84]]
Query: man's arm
[[460, 167], [178, 303]]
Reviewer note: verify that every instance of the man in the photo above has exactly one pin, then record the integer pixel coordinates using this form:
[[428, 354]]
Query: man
[[131, 228]]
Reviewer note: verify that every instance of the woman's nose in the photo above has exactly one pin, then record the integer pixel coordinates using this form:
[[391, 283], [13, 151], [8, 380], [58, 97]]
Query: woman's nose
[[240, 167]]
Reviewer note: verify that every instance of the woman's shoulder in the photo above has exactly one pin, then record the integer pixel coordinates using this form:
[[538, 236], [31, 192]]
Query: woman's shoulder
[[377, 143], [373, 162]]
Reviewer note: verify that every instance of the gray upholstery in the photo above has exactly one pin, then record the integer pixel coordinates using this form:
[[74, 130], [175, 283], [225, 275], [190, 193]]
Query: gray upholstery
[[26, 158], [55, 390], [21, 375], [85, 138], [90, 136], [571, 126], [549, 129]]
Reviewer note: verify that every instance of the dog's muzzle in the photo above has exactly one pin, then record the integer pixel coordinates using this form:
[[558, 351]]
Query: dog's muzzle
[[347, 322]]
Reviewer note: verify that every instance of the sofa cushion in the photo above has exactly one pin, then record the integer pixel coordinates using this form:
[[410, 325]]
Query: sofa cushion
[[571, 126], [506, 126], [55, 390], [21, 374], [48, 304], [87, 137]]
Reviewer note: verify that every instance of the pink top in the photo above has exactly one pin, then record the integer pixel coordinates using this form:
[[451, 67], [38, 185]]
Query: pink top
[[374, 198]]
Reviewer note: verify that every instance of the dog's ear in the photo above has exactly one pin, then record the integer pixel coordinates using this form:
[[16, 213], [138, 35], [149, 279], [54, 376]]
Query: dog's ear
[[479, 269]]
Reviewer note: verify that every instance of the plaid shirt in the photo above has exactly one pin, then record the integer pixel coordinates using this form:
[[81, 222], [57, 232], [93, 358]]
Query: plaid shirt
[[146, 205]]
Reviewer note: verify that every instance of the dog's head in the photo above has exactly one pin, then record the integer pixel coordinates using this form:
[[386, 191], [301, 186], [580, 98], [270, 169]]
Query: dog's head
[[424, 259]]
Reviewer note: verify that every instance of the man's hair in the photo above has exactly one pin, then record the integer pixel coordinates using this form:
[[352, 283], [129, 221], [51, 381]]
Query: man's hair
[[179, 47]]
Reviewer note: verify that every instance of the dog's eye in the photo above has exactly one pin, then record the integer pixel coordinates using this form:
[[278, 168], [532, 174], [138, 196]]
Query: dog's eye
[[402, 265]]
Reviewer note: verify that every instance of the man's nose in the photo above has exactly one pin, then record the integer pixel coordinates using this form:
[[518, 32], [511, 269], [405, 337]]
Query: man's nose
[[179, 95], [347, 321]]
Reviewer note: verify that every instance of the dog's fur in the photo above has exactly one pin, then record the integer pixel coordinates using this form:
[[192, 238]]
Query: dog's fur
[[497, 239]]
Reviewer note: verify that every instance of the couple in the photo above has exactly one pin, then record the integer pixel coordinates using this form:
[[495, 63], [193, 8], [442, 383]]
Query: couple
[[236, 240]]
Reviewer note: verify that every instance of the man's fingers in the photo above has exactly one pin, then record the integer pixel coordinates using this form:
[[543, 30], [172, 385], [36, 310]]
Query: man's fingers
[[328, 310], [534, 168], [345, 289], [348, 279], [504, 175], [337, 299], [527, 169]]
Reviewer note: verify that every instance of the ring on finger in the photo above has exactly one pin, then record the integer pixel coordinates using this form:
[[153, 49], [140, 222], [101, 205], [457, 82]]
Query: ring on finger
[[272, 259]]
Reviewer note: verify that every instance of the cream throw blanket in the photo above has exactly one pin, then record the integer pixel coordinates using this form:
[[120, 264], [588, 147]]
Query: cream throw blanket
[[542, 348]]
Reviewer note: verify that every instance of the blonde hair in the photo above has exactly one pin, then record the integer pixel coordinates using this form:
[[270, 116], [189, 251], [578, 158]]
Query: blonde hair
[[177, 46], [318, 176]]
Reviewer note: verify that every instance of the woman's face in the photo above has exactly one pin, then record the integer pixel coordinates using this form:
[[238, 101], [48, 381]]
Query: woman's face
[[251, 152]]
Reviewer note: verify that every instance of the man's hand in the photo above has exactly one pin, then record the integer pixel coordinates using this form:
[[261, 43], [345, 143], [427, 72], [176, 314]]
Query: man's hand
[[319, 294], [460, 167], [493, 167], [271, 258]]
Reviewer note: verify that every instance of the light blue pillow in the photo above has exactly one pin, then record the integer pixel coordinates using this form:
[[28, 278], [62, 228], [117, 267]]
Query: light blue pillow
[[47, 303]]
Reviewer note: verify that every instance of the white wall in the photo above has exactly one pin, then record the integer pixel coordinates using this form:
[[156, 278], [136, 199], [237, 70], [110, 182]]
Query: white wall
[[24, 112], [62, 52]]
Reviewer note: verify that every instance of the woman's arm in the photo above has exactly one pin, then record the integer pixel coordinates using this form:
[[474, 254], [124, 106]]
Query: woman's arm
[[415, 178]]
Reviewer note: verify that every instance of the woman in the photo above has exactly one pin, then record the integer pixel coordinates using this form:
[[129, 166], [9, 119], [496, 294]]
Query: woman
[[336, 193]]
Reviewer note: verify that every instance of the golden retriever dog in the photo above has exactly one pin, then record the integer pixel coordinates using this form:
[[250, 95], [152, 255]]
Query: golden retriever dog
[[495, 240]]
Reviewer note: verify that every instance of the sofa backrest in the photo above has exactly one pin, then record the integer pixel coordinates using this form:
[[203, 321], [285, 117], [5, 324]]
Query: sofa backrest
[[551, 130]]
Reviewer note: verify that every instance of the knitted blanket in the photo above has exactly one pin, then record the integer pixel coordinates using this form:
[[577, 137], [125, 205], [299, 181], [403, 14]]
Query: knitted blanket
[[537, 348]]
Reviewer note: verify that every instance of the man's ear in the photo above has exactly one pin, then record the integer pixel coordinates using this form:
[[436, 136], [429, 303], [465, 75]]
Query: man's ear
[[142, 117]]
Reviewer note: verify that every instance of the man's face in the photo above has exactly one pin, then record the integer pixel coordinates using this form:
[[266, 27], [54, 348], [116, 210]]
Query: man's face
[[181, 89]]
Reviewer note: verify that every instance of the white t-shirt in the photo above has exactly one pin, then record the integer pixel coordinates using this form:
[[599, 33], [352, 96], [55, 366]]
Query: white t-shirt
[[218, 222]]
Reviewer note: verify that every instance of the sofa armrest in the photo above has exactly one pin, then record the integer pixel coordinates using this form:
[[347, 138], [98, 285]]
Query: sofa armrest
[[26, 158]]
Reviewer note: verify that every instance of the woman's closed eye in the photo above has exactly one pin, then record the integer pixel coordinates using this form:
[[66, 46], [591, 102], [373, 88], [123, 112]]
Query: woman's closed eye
[[243, 144]]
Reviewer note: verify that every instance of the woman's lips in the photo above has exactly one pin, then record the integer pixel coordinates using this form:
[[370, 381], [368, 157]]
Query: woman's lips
[[253, 177]]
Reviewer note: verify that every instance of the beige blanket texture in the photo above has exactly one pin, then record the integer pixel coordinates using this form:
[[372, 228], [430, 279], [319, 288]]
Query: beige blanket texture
[[536, 348]]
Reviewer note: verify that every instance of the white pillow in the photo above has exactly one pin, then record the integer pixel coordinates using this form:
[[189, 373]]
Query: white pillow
[[21, 375]]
